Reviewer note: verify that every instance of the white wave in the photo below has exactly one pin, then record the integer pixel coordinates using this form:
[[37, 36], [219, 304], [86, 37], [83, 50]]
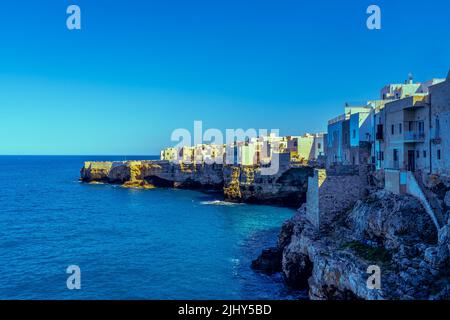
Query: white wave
[[219, 203]]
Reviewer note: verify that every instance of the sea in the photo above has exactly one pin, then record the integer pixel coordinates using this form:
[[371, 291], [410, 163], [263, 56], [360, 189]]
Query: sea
[[127, 243]]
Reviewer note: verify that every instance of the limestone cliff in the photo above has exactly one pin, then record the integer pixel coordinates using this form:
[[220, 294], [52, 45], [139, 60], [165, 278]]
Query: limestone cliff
[[238, 183], [247, 184], [154, 173], [390, 231]]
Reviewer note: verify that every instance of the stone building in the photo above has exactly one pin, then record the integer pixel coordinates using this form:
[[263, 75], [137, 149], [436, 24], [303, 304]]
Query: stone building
[[308, 147], [247, 152], [403, 134], [409, 88], [440, 128], [186, 154], [169, 154], [388, 94]]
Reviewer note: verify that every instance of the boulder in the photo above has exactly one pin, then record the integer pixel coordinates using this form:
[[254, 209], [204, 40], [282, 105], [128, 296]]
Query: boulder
[[269, 261], [447, 199], [297, 268]]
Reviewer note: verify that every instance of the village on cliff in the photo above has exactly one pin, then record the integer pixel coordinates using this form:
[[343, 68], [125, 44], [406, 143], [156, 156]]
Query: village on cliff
[[403, 137], [372, 194]]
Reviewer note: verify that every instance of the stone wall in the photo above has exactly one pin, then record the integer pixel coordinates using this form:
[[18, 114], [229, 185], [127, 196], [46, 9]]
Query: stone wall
[[328, 195], [392, 181]]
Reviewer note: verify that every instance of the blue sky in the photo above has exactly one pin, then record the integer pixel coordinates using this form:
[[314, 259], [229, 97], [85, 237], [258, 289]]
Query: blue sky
[[140, 69]]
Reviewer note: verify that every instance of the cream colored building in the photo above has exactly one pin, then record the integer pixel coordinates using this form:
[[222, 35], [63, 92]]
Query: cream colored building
[[248, 155], [307, 147], [404, 141], [407, 89], [169, 154]]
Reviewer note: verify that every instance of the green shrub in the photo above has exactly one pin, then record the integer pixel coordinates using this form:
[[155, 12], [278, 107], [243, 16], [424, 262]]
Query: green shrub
[[369, 253]]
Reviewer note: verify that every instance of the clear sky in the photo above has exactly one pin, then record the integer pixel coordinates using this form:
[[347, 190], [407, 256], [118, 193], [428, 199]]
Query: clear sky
[[140, 69]]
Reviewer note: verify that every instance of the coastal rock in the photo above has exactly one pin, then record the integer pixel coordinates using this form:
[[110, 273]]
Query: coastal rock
[[389, 231], [269, 261], [95, 171], [287, 229], [390, 220], [248, 184], [447, 199], [157, 173], [444, 246], [238, 183], [138, 184], [231, 189], [297, 268]]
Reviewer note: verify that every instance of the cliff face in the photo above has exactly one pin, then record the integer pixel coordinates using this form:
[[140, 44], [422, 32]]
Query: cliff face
[[239, 184], [392, 232], [247, 184], [155, 173]]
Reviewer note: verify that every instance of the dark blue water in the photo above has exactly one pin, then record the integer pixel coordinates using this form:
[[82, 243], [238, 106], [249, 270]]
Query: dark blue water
[[129, 244]]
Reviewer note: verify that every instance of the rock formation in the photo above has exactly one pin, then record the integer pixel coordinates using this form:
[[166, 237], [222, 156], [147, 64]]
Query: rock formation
[[247, 184], [238, 183], [390, 231]]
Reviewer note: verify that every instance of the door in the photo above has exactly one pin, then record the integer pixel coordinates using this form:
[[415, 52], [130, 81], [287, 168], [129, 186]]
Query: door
[[411, 160]]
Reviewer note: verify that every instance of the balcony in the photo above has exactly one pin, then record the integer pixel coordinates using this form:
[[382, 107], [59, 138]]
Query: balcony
[[413, 136]]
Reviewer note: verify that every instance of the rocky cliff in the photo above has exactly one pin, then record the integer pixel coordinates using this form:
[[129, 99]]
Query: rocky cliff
[[154, 173], [238, 183], [247, 184], [386, 230]]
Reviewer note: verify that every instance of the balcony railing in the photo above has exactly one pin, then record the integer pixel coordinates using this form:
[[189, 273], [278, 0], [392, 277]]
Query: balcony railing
[[435, 135], [413, 136]]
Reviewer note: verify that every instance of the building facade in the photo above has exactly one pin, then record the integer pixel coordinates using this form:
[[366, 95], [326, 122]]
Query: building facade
[[403, 134], [440, 128], [348, 134]]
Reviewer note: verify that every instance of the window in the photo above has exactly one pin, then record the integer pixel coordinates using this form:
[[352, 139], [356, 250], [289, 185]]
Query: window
[[417, 154], [319, 145], [354, 133], [392, 129], [379, 134], [439, 154], [421, 127], [382, 155], [395, 154], [400, 128], [424, 153], [438, 129]]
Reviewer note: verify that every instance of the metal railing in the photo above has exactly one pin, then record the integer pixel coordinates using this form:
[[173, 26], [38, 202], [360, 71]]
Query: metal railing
[[414, 136]]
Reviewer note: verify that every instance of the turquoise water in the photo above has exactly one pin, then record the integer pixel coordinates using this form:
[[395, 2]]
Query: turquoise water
[[129, 244]]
